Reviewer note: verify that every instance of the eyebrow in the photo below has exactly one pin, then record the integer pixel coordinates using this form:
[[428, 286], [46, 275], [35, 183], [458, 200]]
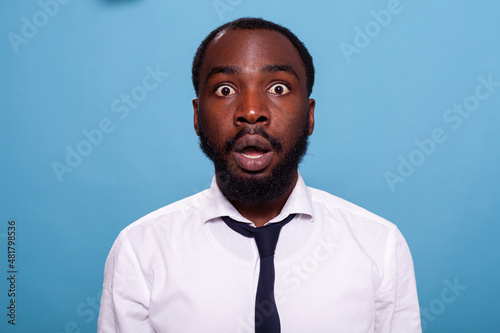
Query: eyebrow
[[223, 70], [273, 68], [279, 68]]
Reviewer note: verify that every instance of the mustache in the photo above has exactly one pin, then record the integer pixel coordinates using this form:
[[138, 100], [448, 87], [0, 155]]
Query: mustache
[[275, 143]]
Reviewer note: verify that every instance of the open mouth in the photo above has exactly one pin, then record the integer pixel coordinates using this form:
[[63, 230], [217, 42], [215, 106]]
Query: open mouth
[[252, 153]]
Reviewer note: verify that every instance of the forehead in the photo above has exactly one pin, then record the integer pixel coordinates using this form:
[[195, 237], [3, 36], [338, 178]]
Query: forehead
[[251, 49]]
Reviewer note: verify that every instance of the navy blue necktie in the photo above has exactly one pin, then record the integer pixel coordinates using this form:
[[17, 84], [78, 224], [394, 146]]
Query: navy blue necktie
[[267, 319]]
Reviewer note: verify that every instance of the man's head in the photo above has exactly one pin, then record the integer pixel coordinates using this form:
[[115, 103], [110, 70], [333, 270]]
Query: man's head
[[253, 114], [253, 24]]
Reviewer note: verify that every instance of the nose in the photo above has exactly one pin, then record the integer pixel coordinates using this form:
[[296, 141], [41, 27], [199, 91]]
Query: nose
[[252, 109]]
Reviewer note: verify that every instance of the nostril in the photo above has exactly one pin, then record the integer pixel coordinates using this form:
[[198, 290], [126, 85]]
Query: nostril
[[261, 119]]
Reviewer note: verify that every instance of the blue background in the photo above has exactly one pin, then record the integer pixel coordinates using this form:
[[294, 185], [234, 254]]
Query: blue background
[[372, 107]]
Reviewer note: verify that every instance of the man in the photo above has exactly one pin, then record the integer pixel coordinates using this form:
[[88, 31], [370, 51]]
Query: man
[[187, 268]]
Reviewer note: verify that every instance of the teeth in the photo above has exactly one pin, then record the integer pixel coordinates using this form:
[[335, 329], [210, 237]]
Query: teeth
[[252, 156]]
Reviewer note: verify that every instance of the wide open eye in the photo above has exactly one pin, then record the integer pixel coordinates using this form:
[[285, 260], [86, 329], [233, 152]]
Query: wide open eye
[[225, 90], [278, 89]]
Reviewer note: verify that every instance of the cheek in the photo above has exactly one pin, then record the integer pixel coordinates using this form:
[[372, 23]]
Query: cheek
[[293, 130], [213, 131], [290, 124]]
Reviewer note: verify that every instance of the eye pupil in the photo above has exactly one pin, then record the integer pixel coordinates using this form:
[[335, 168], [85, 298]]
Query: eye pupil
[[279, 90], [225, 91]]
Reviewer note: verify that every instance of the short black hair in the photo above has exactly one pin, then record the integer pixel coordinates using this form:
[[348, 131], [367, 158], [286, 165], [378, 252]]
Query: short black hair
[[250, 23]]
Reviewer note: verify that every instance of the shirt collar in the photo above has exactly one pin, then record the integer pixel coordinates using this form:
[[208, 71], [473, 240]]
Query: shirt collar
[[299, 202]]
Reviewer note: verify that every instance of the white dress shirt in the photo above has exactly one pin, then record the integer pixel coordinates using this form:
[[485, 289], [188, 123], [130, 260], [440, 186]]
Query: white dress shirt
[[339, 268]]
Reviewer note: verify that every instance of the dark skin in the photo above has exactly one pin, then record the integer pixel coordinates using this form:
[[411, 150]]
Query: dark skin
[[253, 78]]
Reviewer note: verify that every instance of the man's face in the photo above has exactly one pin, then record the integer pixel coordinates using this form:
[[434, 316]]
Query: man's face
[[252, 113]]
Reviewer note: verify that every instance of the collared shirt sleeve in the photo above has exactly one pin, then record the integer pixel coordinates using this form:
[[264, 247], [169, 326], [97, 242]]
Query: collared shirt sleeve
[[397, 308], [125, 295]]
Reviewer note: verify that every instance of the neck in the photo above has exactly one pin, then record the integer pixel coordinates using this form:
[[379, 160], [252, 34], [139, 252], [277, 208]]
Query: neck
[[261, 213]]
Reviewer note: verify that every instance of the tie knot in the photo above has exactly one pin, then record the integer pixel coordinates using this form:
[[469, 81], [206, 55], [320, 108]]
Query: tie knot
[[266, 237]]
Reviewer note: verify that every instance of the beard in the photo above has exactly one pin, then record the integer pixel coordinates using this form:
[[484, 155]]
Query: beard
[[253, 190]]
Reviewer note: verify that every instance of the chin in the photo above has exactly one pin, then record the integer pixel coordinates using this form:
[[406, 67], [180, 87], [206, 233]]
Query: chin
[[254, 188]]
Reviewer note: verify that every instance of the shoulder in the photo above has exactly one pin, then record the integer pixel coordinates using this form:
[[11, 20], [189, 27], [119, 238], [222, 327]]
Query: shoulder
[[377, 237], [360, 221], [171, 216]]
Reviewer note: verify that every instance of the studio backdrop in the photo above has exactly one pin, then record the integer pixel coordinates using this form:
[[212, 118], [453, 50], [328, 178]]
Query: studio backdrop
[[97, 130]]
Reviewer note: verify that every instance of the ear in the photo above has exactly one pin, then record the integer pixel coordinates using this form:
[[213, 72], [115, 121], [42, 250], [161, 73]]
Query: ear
[[195, 116], [312, 105]]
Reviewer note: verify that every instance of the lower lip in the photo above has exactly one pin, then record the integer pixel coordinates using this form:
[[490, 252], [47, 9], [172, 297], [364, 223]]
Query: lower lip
[[253, 163]]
